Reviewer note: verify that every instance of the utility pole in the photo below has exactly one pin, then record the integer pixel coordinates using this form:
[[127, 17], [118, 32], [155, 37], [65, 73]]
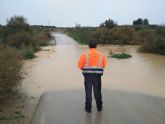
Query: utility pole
[[48, 25]]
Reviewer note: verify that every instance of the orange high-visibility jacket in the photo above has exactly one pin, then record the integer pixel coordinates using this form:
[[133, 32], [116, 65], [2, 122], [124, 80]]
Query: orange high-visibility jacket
[[93, 59]]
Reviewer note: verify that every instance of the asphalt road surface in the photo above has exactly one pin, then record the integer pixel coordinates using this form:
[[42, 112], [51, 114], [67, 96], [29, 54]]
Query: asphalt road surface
[[119, 107]]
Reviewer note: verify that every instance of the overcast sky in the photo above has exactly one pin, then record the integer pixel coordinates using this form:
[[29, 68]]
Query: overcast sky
[[85, 12]]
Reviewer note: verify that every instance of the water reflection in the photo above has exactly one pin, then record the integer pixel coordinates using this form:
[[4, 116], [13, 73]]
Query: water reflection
[[88, 118], [97, 119]]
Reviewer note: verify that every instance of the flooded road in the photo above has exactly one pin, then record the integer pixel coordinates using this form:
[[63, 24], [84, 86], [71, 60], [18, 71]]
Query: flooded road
[[56, 70], [133, 89]]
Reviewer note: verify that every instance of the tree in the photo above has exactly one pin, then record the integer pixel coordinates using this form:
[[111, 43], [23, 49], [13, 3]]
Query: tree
[[17, 24], [139, 21], [78, 26], [109, 24], [145, 22]]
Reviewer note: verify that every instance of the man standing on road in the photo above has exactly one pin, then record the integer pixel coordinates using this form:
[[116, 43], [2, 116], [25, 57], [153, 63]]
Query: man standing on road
[[92, 65]]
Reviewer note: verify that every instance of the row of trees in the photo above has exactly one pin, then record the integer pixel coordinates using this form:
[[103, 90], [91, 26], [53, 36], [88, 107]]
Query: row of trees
[[111, 23]]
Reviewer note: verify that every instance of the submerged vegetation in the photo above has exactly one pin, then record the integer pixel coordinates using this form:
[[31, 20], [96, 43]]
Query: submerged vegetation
[[151, 38], [121, 56]]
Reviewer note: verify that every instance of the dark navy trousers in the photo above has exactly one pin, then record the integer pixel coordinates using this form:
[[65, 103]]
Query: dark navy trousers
[[95, 82]]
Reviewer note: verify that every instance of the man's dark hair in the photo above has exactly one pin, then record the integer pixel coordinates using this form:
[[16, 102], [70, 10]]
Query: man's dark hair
[[92, 44]]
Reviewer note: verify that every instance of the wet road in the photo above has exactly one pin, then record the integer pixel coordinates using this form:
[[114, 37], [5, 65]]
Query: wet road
[[66, 107], [134, 89]]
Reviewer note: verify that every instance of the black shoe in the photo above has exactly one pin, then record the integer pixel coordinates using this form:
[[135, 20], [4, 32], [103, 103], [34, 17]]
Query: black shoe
[[99, 108], [88, 110]]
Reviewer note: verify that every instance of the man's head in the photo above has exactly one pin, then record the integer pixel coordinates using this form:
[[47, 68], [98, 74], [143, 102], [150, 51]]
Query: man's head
[[92, 44]]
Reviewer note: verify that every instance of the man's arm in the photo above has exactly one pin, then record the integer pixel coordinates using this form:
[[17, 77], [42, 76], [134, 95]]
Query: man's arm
[[81, 61]]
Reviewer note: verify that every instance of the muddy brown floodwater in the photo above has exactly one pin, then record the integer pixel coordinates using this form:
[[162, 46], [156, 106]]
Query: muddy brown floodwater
[[55, 69]]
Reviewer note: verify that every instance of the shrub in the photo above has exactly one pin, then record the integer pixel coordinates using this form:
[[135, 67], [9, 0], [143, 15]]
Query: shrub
[[10, 66], [20, 39], [123, 34], [42, 38], [154, 42], [3, 34], [29, 53], [17, 24], [81, 34], [47, 34], [117, 35], [102, 35], [43, 43]]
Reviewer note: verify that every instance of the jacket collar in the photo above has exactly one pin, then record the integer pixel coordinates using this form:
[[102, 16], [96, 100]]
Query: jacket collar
[[92, 50]]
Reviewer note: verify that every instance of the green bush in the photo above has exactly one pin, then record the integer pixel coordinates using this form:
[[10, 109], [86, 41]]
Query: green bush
[[29, 53]]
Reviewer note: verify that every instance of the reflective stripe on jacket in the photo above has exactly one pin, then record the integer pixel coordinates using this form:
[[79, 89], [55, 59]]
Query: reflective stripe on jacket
[[93, 69], [92, 63]]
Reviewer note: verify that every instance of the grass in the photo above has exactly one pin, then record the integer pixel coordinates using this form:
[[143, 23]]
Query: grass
[[16, 115], [29, 53], [121, 56]]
